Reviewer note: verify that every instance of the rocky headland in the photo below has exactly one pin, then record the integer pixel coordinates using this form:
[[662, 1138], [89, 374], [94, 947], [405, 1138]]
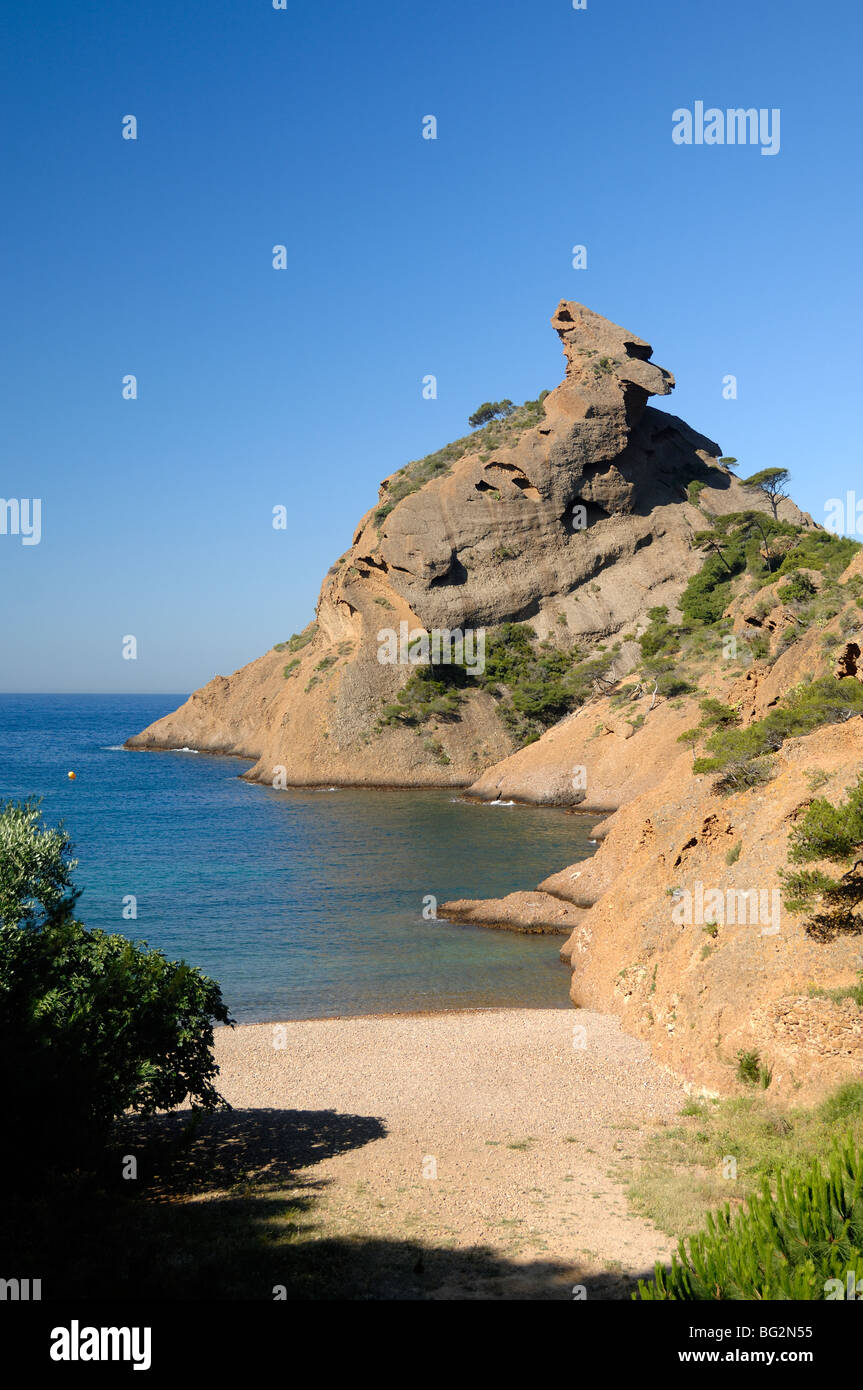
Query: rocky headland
[[655, 630]]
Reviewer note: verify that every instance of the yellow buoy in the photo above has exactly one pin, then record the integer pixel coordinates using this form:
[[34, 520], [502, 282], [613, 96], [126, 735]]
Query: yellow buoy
[[71, 776]]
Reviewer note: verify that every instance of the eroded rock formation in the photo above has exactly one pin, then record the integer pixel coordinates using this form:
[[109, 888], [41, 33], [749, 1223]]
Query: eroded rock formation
[[579, 523]]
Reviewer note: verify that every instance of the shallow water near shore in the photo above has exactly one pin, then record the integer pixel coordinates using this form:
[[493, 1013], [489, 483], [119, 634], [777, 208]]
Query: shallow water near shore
[[303, 904]]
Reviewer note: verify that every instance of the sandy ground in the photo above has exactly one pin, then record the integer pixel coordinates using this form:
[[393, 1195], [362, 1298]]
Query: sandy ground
[[489, 1135]]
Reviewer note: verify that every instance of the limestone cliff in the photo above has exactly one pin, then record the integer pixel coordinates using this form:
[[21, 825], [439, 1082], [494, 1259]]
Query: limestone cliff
[[572, 516]]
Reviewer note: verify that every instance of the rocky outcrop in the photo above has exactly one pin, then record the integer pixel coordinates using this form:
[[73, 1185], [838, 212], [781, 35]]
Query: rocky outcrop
[[522, 912], [703, 992], [577, 525]]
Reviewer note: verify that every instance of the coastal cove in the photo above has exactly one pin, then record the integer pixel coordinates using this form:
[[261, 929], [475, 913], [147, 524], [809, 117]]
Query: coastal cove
[[302, 903]]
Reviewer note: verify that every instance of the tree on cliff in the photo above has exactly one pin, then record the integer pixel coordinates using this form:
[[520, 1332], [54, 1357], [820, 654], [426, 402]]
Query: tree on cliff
[[834, 833], [770, 482], [490, 410]]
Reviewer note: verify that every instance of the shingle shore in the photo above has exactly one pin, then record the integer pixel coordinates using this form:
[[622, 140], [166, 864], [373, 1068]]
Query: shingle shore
[[497, 1129]]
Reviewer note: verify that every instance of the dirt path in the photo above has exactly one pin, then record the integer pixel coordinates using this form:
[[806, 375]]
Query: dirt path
[[481, 1143]]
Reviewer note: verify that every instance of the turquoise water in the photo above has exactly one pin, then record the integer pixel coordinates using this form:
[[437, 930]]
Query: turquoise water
[[302, 904]]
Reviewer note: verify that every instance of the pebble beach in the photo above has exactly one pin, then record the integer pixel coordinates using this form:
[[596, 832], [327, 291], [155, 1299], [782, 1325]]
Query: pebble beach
[[493, 1130]]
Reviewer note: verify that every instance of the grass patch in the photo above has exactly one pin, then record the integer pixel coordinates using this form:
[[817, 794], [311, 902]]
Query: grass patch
[[681, 1172], [841, 993], [800, 1237]]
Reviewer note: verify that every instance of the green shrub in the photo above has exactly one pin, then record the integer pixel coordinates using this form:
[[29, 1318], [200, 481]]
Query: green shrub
[[91, 1024], [834, 833], [808, 706], [298, 641], [659, 637], [708, 593], [798, 589], [782, 1245], [431, 692], [715, 714], [535, 682], [819, 550], [759, 646], [670, 684], [751, 1071]]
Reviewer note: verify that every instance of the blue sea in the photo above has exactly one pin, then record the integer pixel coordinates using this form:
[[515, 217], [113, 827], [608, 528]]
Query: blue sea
[[302, 904]]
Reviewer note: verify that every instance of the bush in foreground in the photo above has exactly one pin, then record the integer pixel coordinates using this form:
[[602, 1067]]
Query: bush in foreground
[[91, 1024], [784, 1246]]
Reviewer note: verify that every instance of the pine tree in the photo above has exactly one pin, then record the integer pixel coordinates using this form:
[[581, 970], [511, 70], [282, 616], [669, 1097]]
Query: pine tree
[[834, 833]]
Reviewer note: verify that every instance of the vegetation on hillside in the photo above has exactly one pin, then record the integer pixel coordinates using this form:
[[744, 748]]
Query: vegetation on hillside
[[499, 433], [491, 410], [534, 682], [762, 548], [538, 681], [750, 551], [298, 640], [430, 692], [740, 753]]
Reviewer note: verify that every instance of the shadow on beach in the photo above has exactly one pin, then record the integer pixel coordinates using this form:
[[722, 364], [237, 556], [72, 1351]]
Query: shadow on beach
[[225, 1208], [181, 1153]]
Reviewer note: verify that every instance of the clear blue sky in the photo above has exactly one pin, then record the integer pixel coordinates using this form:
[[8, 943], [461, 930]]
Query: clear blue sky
[[405, 257]]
